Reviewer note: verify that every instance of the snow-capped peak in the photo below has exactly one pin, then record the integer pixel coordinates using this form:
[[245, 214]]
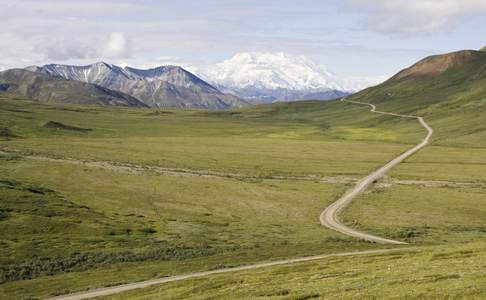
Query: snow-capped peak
[[272, 71]]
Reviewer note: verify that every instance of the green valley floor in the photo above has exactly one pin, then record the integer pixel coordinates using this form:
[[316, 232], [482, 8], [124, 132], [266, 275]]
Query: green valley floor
[[93, 197]]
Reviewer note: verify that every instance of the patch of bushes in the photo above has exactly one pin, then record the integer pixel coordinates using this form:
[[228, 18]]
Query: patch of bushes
[[9, 157], [46, 266], [412, 232], [6, 133], [3, 214], [159, 113], [147, 230], [61, 126], [307, 296], [280, 292]]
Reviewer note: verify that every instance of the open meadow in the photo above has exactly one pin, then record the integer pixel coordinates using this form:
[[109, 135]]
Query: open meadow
[[100, 196]]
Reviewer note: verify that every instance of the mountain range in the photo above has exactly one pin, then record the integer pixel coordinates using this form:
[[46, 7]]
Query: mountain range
[[53, 89], [167, 86], [242, 80], [268, 77]]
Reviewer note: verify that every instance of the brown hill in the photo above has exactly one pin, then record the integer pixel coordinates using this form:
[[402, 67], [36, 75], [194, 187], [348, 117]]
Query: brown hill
[[438, 64]]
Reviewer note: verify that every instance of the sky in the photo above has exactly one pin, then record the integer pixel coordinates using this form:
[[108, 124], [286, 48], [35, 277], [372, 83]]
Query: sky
[[349, 37]]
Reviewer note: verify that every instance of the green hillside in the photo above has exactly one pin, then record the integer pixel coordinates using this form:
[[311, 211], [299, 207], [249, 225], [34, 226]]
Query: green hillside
[[448, 90]]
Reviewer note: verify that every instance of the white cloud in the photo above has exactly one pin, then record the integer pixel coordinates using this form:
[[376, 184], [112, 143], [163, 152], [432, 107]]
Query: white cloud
[[117, 46], [111, 46], [414, 16]]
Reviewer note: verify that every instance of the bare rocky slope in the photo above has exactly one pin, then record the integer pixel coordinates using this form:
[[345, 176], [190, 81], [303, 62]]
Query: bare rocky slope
[[49, 89]]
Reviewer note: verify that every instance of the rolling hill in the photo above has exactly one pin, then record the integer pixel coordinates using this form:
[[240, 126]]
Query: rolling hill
[[449, 90]]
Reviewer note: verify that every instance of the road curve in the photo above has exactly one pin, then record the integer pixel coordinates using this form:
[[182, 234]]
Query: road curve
[[329, 217], [143, 284]]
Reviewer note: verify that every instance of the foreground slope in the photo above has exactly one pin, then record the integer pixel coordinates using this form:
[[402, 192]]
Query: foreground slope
[[429, 273]]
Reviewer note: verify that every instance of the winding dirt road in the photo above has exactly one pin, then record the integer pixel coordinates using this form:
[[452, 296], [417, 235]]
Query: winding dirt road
[[143, 284], [329, 217]]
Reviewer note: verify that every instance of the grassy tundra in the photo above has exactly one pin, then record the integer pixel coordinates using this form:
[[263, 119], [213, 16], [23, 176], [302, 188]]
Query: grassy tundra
[[96, 196]]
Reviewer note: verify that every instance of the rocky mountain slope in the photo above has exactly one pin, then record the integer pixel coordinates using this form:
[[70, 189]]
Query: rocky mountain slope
[[167, 86], [49, 89]]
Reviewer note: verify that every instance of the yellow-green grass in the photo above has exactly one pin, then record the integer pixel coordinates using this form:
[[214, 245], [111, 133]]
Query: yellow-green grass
[[73, 227], [329, 139], [247, 156], [453, 272], [460, 164], [421, 214], [60, 220]]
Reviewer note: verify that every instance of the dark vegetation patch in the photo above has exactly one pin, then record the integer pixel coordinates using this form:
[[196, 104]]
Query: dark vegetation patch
[[147, 230], [61, 126], [75, 262], [159, 113], [275, 293], [407, 232], [306, 296], [71, 109], [12, 184], [9, 157], [18, 110], [440, 277], [411, 232], [451, 255], [6, 133]]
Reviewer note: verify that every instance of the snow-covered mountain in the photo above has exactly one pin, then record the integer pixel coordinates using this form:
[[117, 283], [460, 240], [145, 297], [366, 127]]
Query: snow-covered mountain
[[279, 76], [166, 86]]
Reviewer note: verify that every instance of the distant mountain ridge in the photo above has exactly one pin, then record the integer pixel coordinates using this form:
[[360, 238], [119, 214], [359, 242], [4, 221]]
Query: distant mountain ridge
[[166, 86], [53, 89]]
